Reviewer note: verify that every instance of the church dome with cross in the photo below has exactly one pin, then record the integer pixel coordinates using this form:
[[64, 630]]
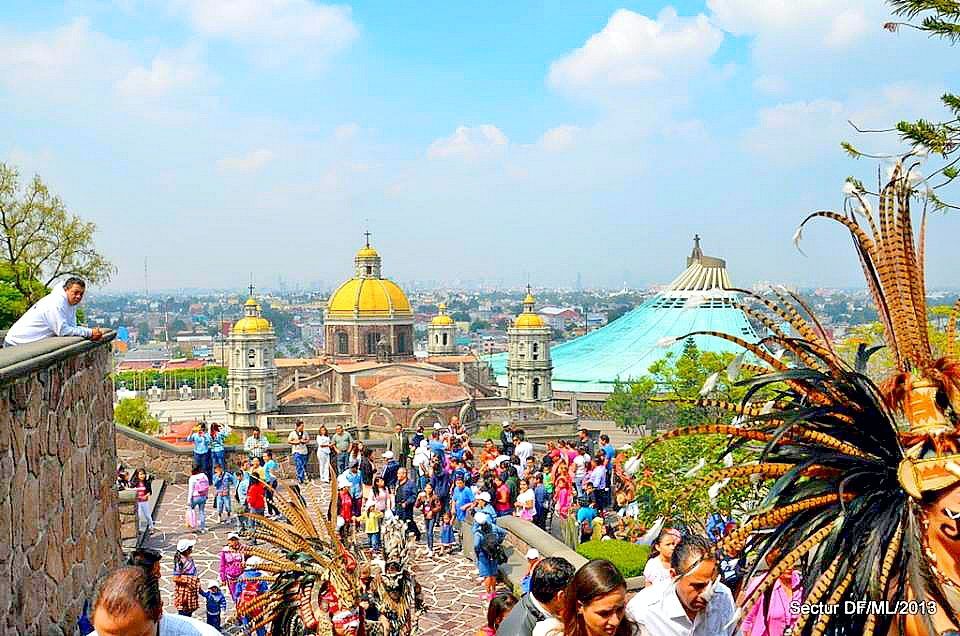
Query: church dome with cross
[[368, 315]]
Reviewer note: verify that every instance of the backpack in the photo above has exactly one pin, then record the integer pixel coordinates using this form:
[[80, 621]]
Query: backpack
[[586, 527], [201, 487], [490, 543], [248, 594]]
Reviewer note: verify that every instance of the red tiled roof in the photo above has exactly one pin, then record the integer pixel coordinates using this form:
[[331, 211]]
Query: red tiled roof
[[418, 389]]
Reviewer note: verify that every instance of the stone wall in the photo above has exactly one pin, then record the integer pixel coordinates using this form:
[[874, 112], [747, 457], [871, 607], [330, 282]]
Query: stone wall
[[59, 527]]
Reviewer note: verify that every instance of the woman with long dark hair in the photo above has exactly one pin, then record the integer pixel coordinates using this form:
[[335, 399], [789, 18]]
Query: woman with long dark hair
[[596, 604]]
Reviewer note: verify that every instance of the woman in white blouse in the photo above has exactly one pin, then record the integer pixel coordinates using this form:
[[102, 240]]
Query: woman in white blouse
[[657, 568]]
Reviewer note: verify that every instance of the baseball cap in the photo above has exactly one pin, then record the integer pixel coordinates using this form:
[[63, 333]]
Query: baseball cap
[[533, 554], [233, 535], [388, 455], [485, 496], [185, 544]]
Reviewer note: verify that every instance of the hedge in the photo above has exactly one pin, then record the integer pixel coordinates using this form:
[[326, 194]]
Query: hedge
[[628, 557]]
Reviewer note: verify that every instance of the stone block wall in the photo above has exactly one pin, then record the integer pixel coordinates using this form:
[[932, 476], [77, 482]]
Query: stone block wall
[[59, 527]]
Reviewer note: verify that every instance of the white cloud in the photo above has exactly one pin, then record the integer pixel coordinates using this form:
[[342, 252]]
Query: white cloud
[[633, 50], [796, 130], [245, 164], [799, 131], [276, 30], [559, 138], [469, 143], [346, 132], [165, 74], [770, 84], [779, 24], [63, 63]]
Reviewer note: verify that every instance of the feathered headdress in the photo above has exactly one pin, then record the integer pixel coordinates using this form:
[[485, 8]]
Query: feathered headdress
[[312, 575], [856, 474]]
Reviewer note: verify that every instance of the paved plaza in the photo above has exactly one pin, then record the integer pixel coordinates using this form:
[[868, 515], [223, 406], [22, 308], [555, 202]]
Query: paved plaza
[[450, 583]]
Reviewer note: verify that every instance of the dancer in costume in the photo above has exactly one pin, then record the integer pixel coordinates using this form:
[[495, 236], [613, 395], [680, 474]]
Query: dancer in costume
[[314, 581], [864, 480]]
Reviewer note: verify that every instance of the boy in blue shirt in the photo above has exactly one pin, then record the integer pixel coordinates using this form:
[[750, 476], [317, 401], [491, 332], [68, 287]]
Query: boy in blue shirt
[[216, 603], [224, 484]]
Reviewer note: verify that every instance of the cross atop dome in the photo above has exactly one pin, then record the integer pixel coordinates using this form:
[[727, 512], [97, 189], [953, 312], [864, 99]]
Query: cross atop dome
[[366, 236], [697, 252]]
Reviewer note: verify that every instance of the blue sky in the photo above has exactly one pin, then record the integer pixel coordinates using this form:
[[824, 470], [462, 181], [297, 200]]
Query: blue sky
[[497, 141]]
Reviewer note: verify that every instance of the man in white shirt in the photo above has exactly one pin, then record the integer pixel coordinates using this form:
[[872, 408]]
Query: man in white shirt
[[127, 603], [53, 315], [694, 603], [522, 448]]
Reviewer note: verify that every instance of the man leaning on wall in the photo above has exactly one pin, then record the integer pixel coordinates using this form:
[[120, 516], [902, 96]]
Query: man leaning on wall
[[53, 315]]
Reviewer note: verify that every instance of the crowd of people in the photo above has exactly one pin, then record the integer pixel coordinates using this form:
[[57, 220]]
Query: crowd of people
[[449, 491]]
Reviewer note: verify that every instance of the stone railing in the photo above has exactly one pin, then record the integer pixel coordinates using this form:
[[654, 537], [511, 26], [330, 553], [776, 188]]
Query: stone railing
[[58, 506], [173, 463]]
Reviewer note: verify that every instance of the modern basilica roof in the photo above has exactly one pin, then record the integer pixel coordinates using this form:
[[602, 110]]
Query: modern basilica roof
[[700, 299]]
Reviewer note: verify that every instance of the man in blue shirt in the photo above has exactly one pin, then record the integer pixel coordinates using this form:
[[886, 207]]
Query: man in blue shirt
[[201, 449], [405, 499], [270, 470], [462, 496], [539, 501], [436, 446], [356, 483], [390, 470]]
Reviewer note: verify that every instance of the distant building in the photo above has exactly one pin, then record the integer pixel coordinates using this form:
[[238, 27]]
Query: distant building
[[701, 298], [252, 375], [528, 356]]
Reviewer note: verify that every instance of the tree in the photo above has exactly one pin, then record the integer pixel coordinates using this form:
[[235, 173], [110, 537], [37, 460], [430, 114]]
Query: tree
[[133, 412], [616, 312], [12, 302], [936, 18], [42, 241], [460, 316], [479, 325]]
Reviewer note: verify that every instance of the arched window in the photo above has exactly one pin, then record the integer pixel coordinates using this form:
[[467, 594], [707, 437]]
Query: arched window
[[369, 270], [236, 358], [536, 388], [402, 342], [536, 352], [343, 343], [252, 358], [252, 398], [372, 339], [444, 340]]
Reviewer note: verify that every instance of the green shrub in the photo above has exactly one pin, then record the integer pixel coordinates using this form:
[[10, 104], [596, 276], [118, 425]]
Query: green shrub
[[490, 431], [628, 557], [133, 412]]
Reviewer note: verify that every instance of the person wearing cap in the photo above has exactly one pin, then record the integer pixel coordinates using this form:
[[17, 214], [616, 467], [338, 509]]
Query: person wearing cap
[[482, 504], [216, 603], [399, 445], [533, 557], [186, 584], [506, 439], [231, 564], [487, 564], [390, 469], [346, 505], [248, 588]]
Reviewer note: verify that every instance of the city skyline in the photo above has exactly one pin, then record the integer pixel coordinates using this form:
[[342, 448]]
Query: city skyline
[[503, 143]]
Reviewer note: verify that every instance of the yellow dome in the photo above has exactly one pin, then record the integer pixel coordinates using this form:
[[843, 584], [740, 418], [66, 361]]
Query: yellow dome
[[442, 320], [367, 252], [250, 302], [529, 300], [251, 324], [529, 321], [373, 297]]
